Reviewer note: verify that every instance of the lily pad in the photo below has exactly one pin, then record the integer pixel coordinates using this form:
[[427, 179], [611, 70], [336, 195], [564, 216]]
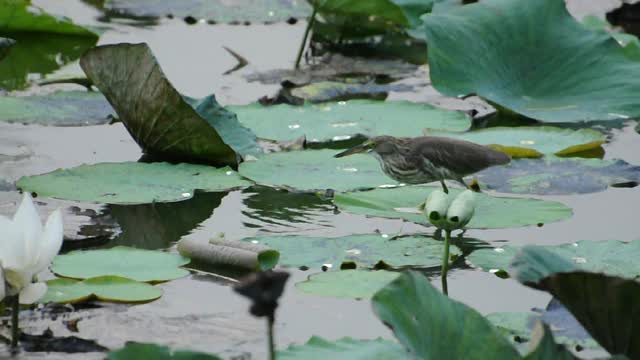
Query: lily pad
[[104, 288], [133, 351], [353, 284], [491, 211], [131, 182], [163, 122], [544, 139], [364, 250], [339, 121], [22, 16], [325, 91], [556, 176], [213, 10], [566, 86], [611, 257], [424, 321], [35, 56], [608, 314], [346, 348], [63, 108], [136, 264], [311, 170]]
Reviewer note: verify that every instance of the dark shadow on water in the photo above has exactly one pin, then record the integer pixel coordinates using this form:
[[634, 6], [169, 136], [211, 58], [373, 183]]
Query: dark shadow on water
[[282, 208], [156, 226], [36, 55]]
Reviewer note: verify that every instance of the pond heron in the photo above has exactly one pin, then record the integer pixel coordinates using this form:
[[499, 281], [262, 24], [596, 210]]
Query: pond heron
[[429, 158]]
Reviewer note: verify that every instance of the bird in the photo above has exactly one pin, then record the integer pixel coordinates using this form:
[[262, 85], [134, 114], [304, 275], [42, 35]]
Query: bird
[[426, 159]]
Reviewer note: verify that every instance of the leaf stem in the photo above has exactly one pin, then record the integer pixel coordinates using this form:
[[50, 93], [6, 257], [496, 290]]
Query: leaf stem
[[270, 324], [445, 261], [15, 329], [310, 23]]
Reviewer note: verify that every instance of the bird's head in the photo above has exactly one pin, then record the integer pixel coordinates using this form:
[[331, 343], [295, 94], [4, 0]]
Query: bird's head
[[382, 145]]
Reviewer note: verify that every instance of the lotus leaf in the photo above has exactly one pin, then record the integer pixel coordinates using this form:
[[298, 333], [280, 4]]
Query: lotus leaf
[[163, 122], [104, 288], [346, 348], [133, 351], [611, 257], [364, 250], [131, 182], [491, 211], [136, 264], [424, 321], [22, 16], [356, 284], [338, 121], [72, 108], [509, 53]]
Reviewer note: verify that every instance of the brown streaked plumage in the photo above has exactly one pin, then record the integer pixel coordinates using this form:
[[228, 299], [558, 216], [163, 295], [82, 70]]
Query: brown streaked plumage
[[429, 158]]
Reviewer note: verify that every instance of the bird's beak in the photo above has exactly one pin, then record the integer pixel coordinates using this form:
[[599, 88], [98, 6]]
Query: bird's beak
[[365, 146]]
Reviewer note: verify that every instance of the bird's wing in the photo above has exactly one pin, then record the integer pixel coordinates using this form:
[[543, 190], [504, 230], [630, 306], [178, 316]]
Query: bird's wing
[[461, 157]]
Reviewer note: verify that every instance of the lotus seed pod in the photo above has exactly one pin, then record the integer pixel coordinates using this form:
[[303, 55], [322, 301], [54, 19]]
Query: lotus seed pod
[[436, 207], [461, 210]]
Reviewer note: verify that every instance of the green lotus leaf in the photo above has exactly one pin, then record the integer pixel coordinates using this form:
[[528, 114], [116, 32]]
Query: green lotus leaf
[[72, 108], [36, 56], [131, 182], [163, 122], [364, 250], [22, 16], [354, 284], [565, 86], [311, 170], [544, 139], [346, 348], [491, 211], [611, 257], [123, 261], [104, 288], [607, 314], [425, 321], [134, 351], [338, 121], [213, 10]]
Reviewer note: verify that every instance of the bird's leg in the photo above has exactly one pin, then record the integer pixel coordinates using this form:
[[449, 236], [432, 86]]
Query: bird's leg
[[444, 186]]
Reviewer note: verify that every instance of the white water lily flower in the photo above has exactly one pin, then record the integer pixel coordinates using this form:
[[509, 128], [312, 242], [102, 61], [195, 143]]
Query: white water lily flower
[[436, 207], [461, 209], [26, 249]]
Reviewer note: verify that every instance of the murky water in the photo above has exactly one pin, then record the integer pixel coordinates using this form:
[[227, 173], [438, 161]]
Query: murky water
[[201, 312]]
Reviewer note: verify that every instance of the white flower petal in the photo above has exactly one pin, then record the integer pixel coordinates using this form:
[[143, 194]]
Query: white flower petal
[[28, 221], [11, 249], [32, 293], [50, 241]]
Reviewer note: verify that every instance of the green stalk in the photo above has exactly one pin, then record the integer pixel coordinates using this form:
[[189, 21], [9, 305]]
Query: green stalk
[[445, 261], [272, 346], [15, 330], [312, 20]]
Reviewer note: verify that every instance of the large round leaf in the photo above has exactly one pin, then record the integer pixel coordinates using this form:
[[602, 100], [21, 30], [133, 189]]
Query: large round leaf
[[355, 284], [72, 108], [104, 288], [526, 66], [342, 120], [364, 250], [346, 348], [131, 182], [161, 120], [553, 176], [21, 16], [611, 257], [427, 322], [315, 170], [491, 211], [544, 139], [136, 264], [134, 350]]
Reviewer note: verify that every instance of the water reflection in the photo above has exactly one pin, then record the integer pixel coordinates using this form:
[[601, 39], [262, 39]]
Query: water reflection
[[273, 209], [156, 226], [36, 55]]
